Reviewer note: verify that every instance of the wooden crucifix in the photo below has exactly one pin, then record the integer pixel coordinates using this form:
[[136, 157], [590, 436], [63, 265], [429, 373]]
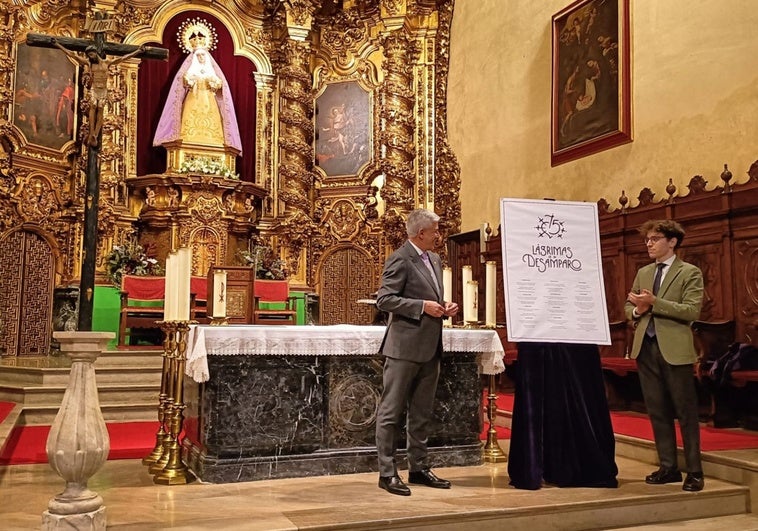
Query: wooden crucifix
[[95, 62]]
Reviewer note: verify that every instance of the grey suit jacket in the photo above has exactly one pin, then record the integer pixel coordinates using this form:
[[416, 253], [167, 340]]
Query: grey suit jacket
[[677, 304], [406, 282]]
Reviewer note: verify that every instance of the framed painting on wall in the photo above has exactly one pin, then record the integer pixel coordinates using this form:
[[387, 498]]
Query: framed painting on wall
[[591, 87], [44, 96], [343, 129]]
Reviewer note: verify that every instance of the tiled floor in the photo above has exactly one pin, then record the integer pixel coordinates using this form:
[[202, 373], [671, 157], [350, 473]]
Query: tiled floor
[[133, 502]]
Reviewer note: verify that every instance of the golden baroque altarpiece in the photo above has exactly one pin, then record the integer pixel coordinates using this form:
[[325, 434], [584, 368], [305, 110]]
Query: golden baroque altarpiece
[[333, 228]]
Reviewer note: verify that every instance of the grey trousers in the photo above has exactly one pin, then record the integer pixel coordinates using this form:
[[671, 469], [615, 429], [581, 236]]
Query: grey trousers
[[669, 392], [412, 386]]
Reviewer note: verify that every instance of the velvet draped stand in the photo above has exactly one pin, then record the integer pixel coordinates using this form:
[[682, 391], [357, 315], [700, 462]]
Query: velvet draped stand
[[561, 429]]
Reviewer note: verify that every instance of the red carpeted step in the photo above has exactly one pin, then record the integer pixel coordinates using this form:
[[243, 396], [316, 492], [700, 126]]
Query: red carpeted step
[[5, 409], [129, 440]]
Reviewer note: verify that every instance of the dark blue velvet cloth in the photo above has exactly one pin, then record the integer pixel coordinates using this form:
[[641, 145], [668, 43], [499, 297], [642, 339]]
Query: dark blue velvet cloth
[[561, 432]]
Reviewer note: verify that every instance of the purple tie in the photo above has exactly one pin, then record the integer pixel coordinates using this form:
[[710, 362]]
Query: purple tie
[[428, 264]]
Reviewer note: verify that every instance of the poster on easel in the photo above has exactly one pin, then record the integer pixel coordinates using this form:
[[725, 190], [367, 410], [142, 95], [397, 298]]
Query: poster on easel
[[553, 272]]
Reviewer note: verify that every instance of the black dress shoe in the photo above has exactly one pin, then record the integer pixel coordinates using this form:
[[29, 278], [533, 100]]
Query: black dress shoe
[[427, 477], [394, 485], [664, 475], [694, 482]]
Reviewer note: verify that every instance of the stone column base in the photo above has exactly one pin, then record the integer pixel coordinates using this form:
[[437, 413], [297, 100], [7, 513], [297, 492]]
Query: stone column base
[[93, 521]]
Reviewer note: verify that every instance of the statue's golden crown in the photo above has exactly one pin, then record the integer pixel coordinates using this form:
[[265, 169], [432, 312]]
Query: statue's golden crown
[[196, 33]]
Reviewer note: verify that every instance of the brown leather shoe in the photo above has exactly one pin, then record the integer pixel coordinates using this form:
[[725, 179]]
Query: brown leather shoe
[[664, 475], [694, 482], [394, 485], [427, 477]]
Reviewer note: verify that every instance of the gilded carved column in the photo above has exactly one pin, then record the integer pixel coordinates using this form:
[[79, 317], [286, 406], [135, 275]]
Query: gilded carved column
[[398, 133]]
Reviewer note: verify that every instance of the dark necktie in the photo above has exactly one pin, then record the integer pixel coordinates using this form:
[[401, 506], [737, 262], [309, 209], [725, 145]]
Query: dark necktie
[[650, 330]]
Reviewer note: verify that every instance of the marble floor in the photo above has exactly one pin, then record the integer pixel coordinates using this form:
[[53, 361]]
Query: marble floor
[[481, 493]]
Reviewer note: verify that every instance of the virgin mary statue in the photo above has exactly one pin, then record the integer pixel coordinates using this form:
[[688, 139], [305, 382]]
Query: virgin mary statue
[[199, 112]]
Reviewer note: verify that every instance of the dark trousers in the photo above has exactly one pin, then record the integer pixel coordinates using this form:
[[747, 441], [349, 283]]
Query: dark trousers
[[412, 385], [669, 392]]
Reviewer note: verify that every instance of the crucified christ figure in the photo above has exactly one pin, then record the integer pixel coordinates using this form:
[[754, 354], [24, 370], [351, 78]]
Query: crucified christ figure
[[97, 67]]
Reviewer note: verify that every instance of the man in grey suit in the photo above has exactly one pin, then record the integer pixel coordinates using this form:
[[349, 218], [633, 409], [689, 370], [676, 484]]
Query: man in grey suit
[[666, 297], [411, 293]]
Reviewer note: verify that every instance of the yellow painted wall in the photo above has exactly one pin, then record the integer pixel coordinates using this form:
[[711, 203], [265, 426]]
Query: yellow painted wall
[[694, 102]]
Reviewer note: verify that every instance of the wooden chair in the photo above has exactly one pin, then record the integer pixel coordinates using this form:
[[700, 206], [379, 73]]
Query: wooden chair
[[273, 292], [142, 306]]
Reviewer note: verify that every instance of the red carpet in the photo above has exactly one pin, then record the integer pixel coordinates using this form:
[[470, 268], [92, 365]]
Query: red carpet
[[129, 440], [638, 425], [5, 409]]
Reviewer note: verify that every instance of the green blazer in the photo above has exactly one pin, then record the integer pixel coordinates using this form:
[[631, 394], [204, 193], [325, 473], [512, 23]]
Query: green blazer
[[677, 304]]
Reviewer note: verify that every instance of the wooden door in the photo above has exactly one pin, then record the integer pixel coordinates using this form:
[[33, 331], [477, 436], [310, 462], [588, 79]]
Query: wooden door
[[27, 273], [347, 275]]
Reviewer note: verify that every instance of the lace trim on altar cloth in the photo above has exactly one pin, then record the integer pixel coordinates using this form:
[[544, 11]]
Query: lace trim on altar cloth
[[337, 340]]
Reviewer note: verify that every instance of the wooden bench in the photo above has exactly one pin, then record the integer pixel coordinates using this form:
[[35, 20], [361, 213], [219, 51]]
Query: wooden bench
[[142, 307]]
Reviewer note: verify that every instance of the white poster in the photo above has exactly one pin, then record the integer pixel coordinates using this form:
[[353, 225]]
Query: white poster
[[553, 274]]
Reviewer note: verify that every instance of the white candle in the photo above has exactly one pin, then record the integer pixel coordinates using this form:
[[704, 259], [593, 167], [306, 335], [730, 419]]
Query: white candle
[[466, 278], [184, 272], [490, 298], [447, 291], [169, 314], [219, 294], [470, 307]]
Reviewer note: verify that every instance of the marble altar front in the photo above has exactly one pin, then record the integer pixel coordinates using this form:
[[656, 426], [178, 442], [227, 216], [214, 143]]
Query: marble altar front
[[276, 402]]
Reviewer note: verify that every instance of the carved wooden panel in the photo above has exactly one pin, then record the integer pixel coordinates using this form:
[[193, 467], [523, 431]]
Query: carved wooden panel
[[746, 275], [347, 275], [26, 288]]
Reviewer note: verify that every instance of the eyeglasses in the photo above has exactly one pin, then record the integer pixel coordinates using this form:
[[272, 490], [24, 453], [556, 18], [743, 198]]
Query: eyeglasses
[[653, 239]]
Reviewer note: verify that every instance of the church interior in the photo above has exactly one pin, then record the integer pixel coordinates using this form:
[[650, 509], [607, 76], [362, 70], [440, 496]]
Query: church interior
[[281, 144]]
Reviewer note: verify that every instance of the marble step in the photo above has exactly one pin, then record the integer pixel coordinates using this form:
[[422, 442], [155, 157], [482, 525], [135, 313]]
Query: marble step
[[131, 358], [108, 374], [131, 412], [741, 522], [53, 394]]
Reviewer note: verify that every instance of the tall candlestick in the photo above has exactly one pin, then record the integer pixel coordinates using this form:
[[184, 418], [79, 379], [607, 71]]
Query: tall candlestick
[[470, 307], [447, 292], [219, 294], [490, 320]]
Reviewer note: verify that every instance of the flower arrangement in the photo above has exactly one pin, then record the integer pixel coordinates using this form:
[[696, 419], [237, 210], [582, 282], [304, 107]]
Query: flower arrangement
[[261, 257], [208, 166], [131, 258]]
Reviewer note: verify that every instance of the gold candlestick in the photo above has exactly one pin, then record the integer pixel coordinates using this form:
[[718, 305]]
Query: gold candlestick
[[492, 451], [160, 436], [176, 472]]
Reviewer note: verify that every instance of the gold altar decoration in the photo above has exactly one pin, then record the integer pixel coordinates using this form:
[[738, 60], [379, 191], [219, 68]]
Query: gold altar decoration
[[321, 225]]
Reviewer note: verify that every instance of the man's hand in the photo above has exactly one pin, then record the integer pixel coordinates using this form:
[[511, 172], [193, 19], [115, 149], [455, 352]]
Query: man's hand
[[434, 309], [451, 309], [642, 301]]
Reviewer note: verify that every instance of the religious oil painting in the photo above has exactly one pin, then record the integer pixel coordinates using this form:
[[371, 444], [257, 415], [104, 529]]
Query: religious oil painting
[[44, 99], [591, 104], [343, 129]]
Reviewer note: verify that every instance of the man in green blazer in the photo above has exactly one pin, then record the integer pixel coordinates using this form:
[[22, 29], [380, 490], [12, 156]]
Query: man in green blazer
[[665, 298]]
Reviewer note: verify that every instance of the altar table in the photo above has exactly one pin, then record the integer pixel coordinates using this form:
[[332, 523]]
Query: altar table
[[268, 402]]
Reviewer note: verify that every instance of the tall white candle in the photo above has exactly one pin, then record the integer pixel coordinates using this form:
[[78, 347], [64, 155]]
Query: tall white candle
[[470, 307], [184, 272], [447, 291], [169, 289], [490, 297], [466, 277], [219, 294]]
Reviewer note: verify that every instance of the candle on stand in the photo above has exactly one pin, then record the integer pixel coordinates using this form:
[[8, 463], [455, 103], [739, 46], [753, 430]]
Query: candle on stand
[[466, 277], [169, 290], [490, 321], [184, 272], [470, 306], [219, 294], [447, 291]]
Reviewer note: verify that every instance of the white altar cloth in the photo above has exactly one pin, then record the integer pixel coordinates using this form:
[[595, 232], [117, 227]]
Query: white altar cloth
[[336, 340]]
